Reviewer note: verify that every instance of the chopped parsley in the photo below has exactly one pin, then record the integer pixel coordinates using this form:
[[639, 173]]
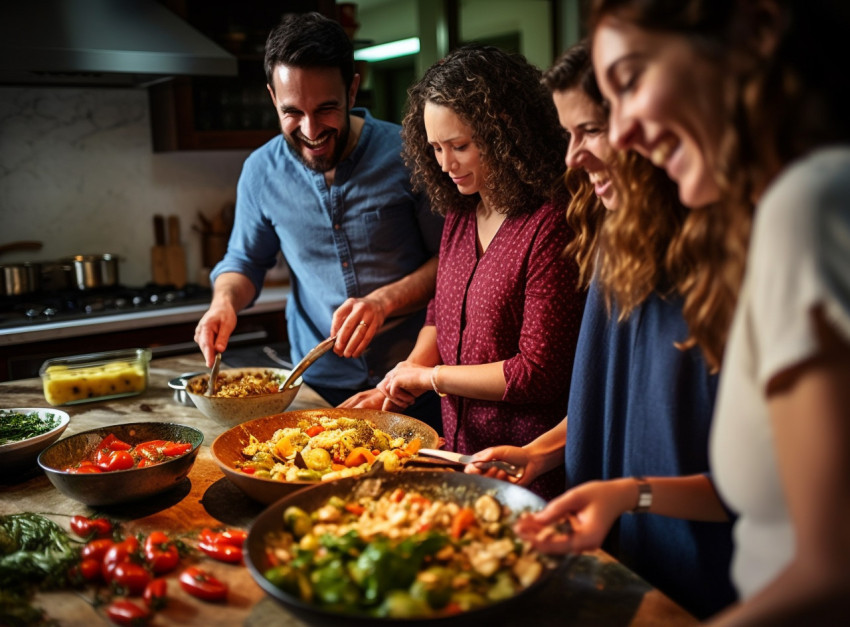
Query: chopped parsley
[[16, 426]]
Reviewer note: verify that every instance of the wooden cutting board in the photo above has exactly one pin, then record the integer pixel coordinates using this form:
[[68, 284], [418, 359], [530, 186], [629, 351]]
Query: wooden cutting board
[[175, 254], [159, 257]]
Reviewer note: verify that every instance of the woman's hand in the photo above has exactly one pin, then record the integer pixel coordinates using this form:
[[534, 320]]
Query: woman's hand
[[515, 455], [404, 383], [579, 519], [368, 399]]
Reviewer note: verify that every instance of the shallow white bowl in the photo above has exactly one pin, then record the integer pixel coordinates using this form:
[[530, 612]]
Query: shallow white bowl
[[25, 452]]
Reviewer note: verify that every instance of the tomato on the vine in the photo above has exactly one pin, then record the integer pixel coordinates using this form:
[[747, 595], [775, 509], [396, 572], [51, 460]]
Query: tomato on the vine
[[156, 594], [86, 527], [161, 553], [124, 612], [118, 554], [201, 584], [87, 570], [96, 549], [132, 578], [221, 552]]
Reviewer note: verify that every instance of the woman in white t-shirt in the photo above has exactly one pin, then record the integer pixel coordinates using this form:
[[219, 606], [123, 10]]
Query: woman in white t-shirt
[[742, 102]]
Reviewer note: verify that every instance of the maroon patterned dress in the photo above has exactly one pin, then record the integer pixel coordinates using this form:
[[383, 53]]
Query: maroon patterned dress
[[515, 302]]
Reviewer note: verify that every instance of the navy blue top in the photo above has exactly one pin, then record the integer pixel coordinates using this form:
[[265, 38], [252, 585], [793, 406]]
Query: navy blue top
[[367, 230], [640, 406]]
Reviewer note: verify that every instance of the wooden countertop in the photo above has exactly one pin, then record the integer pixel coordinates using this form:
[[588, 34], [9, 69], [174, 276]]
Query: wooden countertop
[[594, 589]]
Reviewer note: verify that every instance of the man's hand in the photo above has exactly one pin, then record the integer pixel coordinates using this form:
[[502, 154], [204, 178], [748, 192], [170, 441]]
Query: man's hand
[[214, 329], [368, 399], [355, 323]]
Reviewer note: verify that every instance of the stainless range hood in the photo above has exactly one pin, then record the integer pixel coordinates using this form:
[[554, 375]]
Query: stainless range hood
[[122, 43]]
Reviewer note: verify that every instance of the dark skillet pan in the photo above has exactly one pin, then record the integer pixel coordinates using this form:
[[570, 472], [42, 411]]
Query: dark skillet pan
[[461, 488]]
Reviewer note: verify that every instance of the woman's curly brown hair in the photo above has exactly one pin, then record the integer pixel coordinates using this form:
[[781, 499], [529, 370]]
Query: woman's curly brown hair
[[514, 124], [627, 250]]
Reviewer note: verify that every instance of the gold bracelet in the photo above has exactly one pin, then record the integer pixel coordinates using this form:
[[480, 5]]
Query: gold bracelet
[[644, 501], [434, 380]]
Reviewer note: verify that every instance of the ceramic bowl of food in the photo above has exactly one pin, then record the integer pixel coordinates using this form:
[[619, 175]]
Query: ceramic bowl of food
[[64, 461], [229, 448], [242, 394], [26, 431]]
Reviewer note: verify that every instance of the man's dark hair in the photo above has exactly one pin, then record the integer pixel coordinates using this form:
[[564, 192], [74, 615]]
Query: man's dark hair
[[309, 40]]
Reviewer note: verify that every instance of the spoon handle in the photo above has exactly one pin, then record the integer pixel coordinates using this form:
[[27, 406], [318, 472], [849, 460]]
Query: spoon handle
[[320, 349], [213, 375]]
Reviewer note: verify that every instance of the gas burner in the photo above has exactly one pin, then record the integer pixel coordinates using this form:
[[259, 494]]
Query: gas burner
[[40, 308]]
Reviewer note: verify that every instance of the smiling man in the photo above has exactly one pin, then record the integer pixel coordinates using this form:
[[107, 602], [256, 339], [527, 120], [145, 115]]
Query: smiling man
[[332, 193]]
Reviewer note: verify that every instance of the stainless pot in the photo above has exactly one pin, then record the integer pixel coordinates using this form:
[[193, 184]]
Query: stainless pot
[[93, 271], [20, 278]]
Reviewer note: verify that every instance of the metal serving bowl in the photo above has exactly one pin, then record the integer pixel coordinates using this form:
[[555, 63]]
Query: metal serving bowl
[[451, 486], [232, 411], [120, 486], [227, 448]]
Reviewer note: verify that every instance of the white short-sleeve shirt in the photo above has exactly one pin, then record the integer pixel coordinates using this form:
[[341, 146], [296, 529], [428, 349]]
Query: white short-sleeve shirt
[[799, 260]]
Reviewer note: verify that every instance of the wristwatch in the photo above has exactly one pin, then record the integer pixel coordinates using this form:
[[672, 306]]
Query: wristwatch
[[644, 501]]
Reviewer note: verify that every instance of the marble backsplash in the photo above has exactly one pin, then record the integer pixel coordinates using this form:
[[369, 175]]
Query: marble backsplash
[[78, 173]]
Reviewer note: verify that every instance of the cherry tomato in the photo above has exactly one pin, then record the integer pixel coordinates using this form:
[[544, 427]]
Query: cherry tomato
[[201, 584], [130, 577], [118, 554], [314, 430], [150, 449], [117, 460], [221, 551], [83, 470], [124, 612], [156, 594], [87, 527], [173, 449], [87, 570], [235, 537], [112, 443], [96, 549], [161, 554]]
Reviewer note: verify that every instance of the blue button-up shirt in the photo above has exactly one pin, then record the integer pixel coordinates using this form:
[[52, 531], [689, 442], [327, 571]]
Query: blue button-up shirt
[[366, 230]]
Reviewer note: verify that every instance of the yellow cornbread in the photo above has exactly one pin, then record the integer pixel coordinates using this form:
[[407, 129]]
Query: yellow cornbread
[[64, 385]]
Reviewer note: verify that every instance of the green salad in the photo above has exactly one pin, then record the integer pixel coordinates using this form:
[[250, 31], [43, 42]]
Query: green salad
[[17, 426]]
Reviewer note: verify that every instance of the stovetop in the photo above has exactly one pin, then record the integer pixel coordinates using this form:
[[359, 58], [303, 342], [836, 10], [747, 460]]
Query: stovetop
[[38, 308]]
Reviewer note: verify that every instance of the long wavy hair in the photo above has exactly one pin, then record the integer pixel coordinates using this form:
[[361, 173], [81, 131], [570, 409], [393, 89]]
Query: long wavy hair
[[713, 242], [514, 124], [627, 250], [781, 105]]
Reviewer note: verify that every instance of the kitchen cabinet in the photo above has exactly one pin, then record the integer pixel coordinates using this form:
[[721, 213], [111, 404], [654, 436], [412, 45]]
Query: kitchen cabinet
[[224, 113]]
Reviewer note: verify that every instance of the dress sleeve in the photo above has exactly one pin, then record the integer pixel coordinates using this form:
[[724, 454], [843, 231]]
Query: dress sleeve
[[551, 319], [799, 261]]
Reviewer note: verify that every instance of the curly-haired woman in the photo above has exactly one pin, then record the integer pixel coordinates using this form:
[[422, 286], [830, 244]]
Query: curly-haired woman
[[640, 403], [481, 136]]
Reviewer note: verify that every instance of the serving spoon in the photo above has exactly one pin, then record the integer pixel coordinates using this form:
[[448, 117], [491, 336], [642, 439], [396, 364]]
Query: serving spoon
[[213, 374], [317, 351]]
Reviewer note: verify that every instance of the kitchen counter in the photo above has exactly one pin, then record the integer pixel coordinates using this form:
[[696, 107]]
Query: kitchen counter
[[593, 589]]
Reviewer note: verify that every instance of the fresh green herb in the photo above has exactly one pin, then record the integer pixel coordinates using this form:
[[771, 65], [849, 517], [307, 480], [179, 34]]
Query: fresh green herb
[[16, 426], [35, 553]]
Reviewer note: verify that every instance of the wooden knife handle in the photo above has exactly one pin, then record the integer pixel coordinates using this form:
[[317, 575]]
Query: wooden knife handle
[[159, 230], [173, 230]]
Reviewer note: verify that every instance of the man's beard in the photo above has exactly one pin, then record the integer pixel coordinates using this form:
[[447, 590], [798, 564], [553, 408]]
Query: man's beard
[[325, 163]]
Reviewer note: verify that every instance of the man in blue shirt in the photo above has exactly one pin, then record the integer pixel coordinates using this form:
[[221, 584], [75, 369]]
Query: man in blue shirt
[[332, 193]]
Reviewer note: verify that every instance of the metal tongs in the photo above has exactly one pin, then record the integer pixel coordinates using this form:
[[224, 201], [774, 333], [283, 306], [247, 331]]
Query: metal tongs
[[320, 349], [513, 471]]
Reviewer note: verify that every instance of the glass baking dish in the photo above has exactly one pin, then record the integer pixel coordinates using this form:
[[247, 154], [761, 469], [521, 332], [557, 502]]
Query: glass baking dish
[[95, 376]]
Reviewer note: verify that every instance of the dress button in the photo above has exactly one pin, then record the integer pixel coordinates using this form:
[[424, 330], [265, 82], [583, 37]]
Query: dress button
[[337, 227], [344, 264]]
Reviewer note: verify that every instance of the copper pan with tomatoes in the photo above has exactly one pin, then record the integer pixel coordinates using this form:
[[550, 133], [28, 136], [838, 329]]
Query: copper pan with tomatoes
[[416, 547], [310, 453], [121, 463]]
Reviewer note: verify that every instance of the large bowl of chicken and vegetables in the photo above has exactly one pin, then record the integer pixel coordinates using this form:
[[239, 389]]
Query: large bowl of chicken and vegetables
[[422, 546]]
